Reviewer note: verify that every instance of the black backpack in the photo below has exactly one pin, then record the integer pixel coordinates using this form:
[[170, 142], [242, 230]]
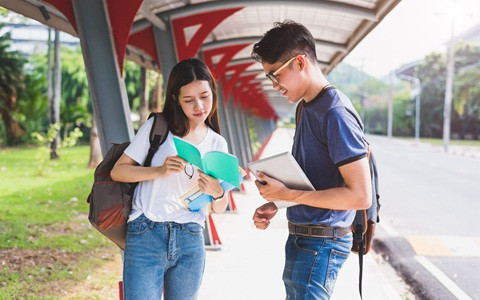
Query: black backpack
[[365, 222], [111, 201]]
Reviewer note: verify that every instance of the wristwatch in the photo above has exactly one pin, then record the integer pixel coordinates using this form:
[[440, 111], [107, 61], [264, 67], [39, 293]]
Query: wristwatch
[[219, 198]]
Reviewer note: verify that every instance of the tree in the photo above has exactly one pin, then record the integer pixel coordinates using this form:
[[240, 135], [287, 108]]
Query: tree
[[11, 83], [466, 97], [131, 76], [143, 109], [76, 105], [157, 91], [466, 91], [55, 90], [404, 114], [431, 73], [32, 105]]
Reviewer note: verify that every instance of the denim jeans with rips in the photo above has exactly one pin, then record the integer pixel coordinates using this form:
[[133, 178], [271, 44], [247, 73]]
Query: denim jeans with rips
[[312, 265], [163, 257]]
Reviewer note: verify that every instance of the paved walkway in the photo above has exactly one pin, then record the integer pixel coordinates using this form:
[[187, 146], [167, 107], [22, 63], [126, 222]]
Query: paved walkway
[[250, 262]]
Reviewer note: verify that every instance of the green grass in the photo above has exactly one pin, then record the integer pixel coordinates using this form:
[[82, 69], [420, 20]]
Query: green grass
[[46, 212], [439, 142]]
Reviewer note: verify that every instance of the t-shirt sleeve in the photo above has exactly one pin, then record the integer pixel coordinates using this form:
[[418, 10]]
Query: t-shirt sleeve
[[222, 145], [138, 148], [344, 137]]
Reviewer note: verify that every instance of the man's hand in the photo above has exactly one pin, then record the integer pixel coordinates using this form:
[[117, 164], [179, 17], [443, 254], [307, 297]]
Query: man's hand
[[271, 189], [263, 215]]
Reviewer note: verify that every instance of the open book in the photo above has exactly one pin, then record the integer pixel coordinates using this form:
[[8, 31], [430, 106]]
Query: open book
[[218, 164]]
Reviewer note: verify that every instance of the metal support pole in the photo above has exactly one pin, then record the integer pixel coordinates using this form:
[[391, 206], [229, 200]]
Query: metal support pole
[[234, 132], [165, 50], [417, 111], [107, 88], [228, 121], [447, 108], [390, 110], [241, 138], [224, 125], [246, 135]]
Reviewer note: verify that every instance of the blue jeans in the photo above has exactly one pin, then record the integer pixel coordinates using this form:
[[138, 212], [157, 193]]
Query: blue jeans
[[166, 256], [312, 265]]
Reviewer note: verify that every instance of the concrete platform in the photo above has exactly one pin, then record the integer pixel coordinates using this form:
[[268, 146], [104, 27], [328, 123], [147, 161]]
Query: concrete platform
[[250, 262]]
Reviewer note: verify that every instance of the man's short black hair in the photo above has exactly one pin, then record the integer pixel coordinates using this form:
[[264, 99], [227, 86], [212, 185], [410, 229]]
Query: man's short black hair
[[284, 41]]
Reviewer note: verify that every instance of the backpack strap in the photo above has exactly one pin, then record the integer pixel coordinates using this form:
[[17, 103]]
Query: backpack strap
[[158, 135], [360, 264], [298, 112]]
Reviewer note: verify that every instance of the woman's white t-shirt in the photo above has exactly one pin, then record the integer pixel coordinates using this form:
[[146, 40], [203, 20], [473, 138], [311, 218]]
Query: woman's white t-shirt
[[159, 199]]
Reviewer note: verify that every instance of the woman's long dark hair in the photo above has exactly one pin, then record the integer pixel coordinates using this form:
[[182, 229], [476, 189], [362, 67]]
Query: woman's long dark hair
[[182, 74]]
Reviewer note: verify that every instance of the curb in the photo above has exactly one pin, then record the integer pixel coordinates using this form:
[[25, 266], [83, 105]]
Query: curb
[[400, 255]]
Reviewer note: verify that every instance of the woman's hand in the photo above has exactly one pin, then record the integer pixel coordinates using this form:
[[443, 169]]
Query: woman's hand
[[172, 165], [209, 185]]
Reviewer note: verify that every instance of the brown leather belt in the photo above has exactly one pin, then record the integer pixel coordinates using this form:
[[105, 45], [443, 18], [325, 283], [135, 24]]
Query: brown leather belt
[[317, 230]]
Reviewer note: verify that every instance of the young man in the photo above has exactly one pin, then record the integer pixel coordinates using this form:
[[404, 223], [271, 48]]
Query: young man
[[329, 147]]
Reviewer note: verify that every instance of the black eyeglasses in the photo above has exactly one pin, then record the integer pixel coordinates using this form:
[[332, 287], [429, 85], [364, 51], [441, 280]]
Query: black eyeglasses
[[189, 173]]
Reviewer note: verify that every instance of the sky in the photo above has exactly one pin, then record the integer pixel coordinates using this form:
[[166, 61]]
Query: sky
[[413, 29]]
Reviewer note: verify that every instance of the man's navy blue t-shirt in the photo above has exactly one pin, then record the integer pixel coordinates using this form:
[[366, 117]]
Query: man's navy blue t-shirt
[[327, 136]]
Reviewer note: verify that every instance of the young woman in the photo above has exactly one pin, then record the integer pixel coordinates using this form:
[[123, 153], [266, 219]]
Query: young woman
[[165, 246]]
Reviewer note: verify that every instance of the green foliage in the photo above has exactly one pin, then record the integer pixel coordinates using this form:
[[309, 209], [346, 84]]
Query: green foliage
[[367, 91], [131, 75], [466, 93], [11, 67], [43, 156], [12, 82], [375, 120], [11, 17], [253, 135], [75, 104], [32, 105], [431, 73], [403, 115]]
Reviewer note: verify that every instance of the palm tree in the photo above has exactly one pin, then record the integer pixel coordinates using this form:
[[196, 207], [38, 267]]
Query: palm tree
[[11, 83]]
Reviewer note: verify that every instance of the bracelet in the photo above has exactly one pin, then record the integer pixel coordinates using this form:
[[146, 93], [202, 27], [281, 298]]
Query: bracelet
[[219, 198]]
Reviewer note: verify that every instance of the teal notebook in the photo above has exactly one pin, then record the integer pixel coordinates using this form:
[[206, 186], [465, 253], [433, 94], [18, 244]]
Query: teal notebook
[[218, 164]]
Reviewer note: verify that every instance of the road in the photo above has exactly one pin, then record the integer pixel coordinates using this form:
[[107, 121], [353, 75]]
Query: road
[[429, 217]]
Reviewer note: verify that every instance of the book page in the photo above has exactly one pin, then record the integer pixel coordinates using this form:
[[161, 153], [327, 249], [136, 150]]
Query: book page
[[188, 152], [222, 166]]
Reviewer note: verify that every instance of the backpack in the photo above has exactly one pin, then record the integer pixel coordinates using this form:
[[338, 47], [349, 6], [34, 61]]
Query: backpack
[[363, 226], [111, 201]]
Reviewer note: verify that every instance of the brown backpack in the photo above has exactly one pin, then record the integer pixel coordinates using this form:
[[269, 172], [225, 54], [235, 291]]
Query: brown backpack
[[111, 201]]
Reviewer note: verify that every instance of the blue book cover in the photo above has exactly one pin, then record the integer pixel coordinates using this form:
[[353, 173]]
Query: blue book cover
[[195, 199]]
